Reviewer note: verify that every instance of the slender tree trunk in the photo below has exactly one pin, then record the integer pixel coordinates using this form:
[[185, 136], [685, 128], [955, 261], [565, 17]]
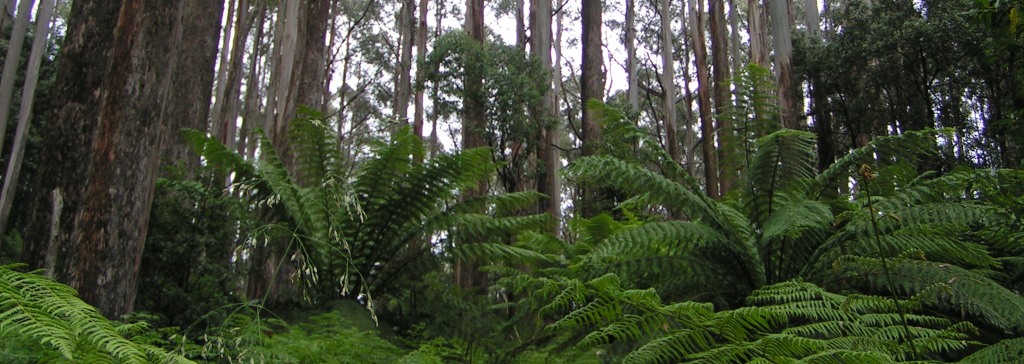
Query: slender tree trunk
[[668, 83], [28, 92], [474, 126], [782, 41], [707, 127], [252, 86], [403, 88], [591, 88], [734, 38], [231, 20], [756, 30], [7, 13], [421, 55], [592, 74], [548, 181], [690, 135], [632, 91], [723, 96], [520, 13], [812, 18], [12, 63]]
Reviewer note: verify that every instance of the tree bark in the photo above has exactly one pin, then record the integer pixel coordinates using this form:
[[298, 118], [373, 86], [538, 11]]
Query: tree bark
[[723, 100], [474, 126], [668, 83], [756, 30], [707, 128], [782, 42], [12, 63], [187, 87], [421, 55], [403, 88], [28, 92], [632, 91], [591, 88], [592, 74], [548, 181]]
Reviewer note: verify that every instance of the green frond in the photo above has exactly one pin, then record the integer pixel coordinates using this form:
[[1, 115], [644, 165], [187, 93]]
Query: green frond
[[906, 147], [671, 348], [1006, 351], [960, 290], [784, 163], [847, 357], [38, 307]]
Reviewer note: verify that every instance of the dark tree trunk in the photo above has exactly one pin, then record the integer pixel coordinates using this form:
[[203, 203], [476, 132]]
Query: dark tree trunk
[[707, 128], [591, 88], [548, 179], [116, 85]]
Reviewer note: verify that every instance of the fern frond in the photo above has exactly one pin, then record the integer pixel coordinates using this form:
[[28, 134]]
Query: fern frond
[[906, 147], [51, 313], [1006, 351]]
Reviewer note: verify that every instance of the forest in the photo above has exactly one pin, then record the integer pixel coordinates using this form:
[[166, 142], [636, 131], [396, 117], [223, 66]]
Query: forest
[[512, 181]]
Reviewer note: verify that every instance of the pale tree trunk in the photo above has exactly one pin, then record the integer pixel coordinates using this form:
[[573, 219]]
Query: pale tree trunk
[[548, 181], [812, 18], [222, 70], [756, 30], [734, 38], [421, 55], [668, 83], [12, 63], [782, 42], [723, 99], [632, 90], [707, 128], [246, 143], [474, 127], [690, 134], [28, 93], [403, 88]]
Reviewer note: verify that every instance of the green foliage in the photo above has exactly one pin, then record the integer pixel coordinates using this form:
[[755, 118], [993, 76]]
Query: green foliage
[[48, 318], [186, 271]]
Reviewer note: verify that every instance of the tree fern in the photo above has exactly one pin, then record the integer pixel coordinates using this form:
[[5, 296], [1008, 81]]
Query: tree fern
[[51, 313]]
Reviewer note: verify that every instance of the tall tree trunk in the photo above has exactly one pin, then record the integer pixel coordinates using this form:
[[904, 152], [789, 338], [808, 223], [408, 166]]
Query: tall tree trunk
[[403, 88], [7, 13], [231, 20], [548, 181], [246, 143], [812, 18], [188, 82], [723, 96], [782, 42], [707, 128], [591, 89], [756, 30], [66, 156], [520, 13], [421, 55], [633, 89], [734, 38], [28, 93], [12, 63], [474, 126], [690, 134], [88, 222], [668, 83]]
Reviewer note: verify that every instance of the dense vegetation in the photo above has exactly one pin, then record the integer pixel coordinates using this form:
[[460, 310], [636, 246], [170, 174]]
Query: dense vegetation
[[883, 225]]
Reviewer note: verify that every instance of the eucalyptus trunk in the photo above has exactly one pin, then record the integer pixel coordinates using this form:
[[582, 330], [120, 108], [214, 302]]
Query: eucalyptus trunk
[[782, 42], [12, 63], [548, 182], [707, 128], [668, 83], [28, 92], [723, 96], [633, 89]]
